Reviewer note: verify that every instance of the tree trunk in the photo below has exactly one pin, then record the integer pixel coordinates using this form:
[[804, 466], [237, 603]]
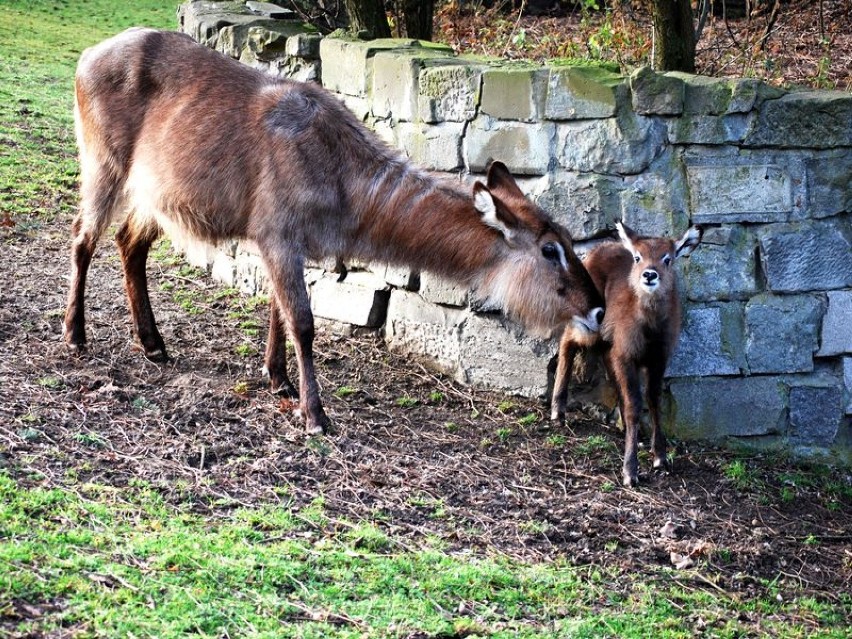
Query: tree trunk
[[418, 18], [674, 36], [367, 17]]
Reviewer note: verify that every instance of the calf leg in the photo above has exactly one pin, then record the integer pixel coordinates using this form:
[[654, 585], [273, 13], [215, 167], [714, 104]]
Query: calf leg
[[627, 382], [289, 284], [564, 365], [134, 241], [275, 361], [658, 438]]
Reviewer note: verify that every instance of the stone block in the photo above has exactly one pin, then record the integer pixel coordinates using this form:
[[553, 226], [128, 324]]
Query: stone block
[[524, 148], [782, 332], [402, 277], [251, 277], [449, 93], [708, 129], [847, 382], [396, 77], [837, 325], [304, 45], [623, 145], [656, 93], [807, 257], [440, 291], [711, 343], [830, 184], [270, 10], [495, 355], [814, 119], [436, 147], [705, 95], [514, 93], [740, 193], [258, 41], [417, 327], [724, 266], [360, 301], [815, 414], [224, 269], [584, 203], [715, 408], [583, 92], [347, 65], [203, 20], [655, 202]]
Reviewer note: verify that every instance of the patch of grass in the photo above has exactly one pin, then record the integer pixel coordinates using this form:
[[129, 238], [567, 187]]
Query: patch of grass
[[503, 434], [436, 397], [51, 382], [594, 445], [136, 566], [528, 420], [406, 401], [345, 391], [741, 475], [245, 350], [556, 441], [505, 406]]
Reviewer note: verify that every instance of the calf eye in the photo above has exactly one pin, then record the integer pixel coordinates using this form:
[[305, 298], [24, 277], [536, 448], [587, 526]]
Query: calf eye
[[637, 258], [550, 252], [667, 260]]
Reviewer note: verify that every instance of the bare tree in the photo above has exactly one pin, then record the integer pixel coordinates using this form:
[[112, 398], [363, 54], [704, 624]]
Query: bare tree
[[368, 18]]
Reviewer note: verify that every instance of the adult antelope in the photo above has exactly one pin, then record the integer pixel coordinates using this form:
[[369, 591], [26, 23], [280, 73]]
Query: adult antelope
[[637, 280], [177, 138]]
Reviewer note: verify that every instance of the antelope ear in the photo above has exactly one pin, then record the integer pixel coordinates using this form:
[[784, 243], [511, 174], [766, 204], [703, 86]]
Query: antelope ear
[[626, 235], [499, 177], [487, 207], [688, 242]]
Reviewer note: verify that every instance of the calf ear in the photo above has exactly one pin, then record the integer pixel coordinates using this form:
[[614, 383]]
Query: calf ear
[[688, 242], [487, 207], [626, 235]]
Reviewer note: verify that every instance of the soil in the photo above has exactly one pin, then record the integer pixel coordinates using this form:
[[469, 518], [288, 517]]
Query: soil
[[461, 465]]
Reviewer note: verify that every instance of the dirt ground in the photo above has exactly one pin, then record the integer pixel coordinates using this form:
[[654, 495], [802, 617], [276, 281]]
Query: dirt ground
[[460, 465]]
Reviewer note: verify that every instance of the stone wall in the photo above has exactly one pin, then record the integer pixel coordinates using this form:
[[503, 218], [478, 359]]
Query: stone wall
[[766, 351]]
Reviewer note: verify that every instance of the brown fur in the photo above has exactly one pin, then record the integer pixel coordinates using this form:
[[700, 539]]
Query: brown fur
[[174, 137], [638, 335]]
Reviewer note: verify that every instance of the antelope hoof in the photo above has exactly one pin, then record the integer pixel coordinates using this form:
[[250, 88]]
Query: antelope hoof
[[557, 415], [314, 424], [155, 355], [75, 348], [662, 464], [630, 480]]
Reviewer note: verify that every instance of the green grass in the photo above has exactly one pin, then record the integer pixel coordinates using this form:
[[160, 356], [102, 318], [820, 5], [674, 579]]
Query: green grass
[[39, 46], [109, 562]]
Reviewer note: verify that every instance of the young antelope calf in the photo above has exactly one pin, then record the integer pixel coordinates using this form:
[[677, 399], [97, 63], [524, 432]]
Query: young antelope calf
[[640, 330]]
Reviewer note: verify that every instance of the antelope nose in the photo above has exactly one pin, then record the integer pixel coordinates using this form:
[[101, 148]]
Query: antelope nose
[[598, 314], [650, 276]]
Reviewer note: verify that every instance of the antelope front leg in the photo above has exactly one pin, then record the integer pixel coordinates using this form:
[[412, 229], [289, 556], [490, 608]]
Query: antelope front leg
[[564, 365], [630, 394], [275, 362], [289, 282]]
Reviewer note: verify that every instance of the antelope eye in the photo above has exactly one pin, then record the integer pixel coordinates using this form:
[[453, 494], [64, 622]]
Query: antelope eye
[[550, 252], [667, 260], [637, 258]]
